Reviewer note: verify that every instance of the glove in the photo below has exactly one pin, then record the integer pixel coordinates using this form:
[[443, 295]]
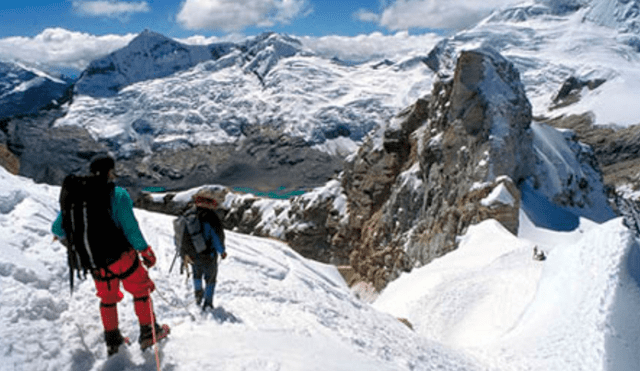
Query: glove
[[148, 257], [223, 255]]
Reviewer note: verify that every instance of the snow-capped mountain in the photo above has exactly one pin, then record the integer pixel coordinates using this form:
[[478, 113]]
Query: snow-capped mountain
[[268, 81], [148, 56], [24, 89]]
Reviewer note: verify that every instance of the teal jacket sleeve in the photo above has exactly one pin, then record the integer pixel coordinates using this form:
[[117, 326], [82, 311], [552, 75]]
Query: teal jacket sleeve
[[56, 228], [123, 215]]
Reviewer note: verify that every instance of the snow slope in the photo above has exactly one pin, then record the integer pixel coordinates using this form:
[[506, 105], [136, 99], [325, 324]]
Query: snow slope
[[577, 310], [485, 306], [275, 309]]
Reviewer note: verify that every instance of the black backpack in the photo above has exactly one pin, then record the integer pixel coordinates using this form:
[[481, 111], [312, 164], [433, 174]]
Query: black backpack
[[94, 241]]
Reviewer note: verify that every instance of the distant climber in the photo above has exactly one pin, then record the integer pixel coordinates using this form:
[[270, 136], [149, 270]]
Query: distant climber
[[199, 238], [97, 225], [538, 254]]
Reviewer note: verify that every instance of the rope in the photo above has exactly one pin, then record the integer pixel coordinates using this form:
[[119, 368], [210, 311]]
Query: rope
[[183, 306], [153, 331]]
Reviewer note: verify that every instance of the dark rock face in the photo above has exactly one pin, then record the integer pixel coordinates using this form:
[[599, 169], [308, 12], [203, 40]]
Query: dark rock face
[[47, 154], [570, 91], [409, 198], [263, 161]]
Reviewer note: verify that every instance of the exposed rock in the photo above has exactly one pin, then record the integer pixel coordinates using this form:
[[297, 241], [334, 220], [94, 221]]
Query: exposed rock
[[410, 199], [617, 150], [629, 207], [8, 160], [306, 222], [570, 91], [264, 160]]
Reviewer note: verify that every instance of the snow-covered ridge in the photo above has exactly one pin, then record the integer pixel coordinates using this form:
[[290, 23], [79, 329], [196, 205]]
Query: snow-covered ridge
[[158, 93]]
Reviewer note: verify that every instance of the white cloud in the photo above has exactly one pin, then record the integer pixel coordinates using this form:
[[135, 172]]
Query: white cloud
[[234, 15], [60, 48], [109, 8], [438, 14], [366, 16], [374, 45]]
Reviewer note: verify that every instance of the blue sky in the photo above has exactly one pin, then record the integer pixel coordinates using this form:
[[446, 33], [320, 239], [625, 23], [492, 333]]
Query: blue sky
[[315, 18], [70, 33], [217, 17]]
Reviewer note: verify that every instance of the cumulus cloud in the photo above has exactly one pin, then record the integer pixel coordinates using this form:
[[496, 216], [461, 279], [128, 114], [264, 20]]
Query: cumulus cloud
[[366, 16], [234, 15], [437, 14], [61, 48], [375, 45], [104, 8]]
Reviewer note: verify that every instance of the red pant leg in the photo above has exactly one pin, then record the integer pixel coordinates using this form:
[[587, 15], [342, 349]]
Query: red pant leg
[[110, 295], [141, 286]]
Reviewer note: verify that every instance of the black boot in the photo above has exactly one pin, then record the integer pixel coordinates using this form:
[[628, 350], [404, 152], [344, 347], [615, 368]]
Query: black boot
[[207, 306], [113, 339], [199, 294], [146, 335]]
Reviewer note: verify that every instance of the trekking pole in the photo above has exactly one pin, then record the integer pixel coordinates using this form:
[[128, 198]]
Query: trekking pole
[[153, 331], [174, 260]]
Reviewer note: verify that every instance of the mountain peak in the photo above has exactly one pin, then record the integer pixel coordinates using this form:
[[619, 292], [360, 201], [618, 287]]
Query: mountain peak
[[147, 39], [149, 55]]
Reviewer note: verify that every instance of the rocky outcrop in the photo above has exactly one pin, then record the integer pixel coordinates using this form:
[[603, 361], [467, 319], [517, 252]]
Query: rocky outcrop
[[306, 222], [616, 150], [570, 91], [411, 197]]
